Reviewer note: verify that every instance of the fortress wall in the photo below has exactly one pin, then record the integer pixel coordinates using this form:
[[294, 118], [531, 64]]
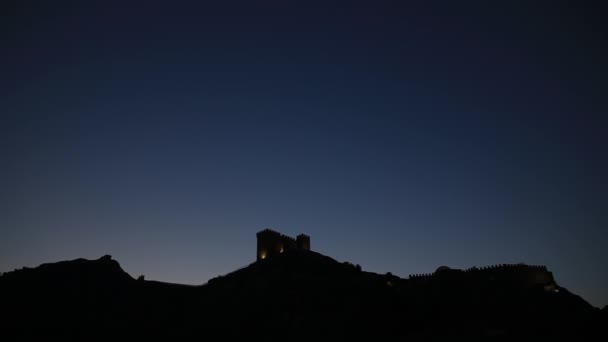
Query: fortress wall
[[517, 274]]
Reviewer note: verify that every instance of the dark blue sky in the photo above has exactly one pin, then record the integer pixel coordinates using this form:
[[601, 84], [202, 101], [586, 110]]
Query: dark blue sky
[[400, 137]]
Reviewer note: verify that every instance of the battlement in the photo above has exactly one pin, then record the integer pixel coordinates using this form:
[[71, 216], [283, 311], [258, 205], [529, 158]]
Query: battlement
[[506, 267], [270, 242], [273, 233], [421, 275]]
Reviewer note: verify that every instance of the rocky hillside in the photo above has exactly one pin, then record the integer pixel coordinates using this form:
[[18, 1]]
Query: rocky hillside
[[294, 296]]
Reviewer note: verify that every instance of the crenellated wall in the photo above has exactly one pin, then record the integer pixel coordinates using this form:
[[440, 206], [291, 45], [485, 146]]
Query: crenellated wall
[[521, 274]]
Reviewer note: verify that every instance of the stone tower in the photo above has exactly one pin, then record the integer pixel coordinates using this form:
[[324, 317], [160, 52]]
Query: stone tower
[[303, 242]]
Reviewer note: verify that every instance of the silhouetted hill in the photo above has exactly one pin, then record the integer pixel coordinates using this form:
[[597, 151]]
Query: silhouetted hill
[[297, 295], [78, 273]]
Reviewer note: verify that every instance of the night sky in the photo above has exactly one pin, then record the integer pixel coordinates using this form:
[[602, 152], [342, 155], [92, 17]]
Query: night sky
[[399, 137]]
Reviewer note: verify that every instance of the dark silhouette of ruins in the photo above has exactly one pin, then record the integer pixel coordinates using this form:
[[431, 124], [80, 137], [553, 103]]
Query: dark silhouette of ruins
[[272, 243], [506, 274]]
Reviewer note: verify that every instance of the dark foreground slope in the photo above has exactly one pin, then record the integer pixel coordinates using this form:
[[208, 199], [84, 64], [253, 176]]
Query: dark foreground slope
[[294, 296]]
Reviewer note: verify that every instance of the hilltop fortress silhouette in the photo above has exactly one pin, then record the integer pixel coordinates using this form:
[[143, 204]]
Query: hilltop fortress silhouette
[[292, 292], [271, 243]]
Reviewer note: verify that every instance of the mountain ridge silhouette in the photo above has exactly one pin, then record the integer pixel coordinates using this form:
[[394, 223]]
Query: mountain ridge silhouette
[[294, 296]]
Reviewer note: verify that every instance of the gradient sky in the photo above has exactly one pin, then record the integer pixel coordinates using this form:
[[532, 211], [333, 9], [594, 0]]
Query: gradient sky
[[399, 137]]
